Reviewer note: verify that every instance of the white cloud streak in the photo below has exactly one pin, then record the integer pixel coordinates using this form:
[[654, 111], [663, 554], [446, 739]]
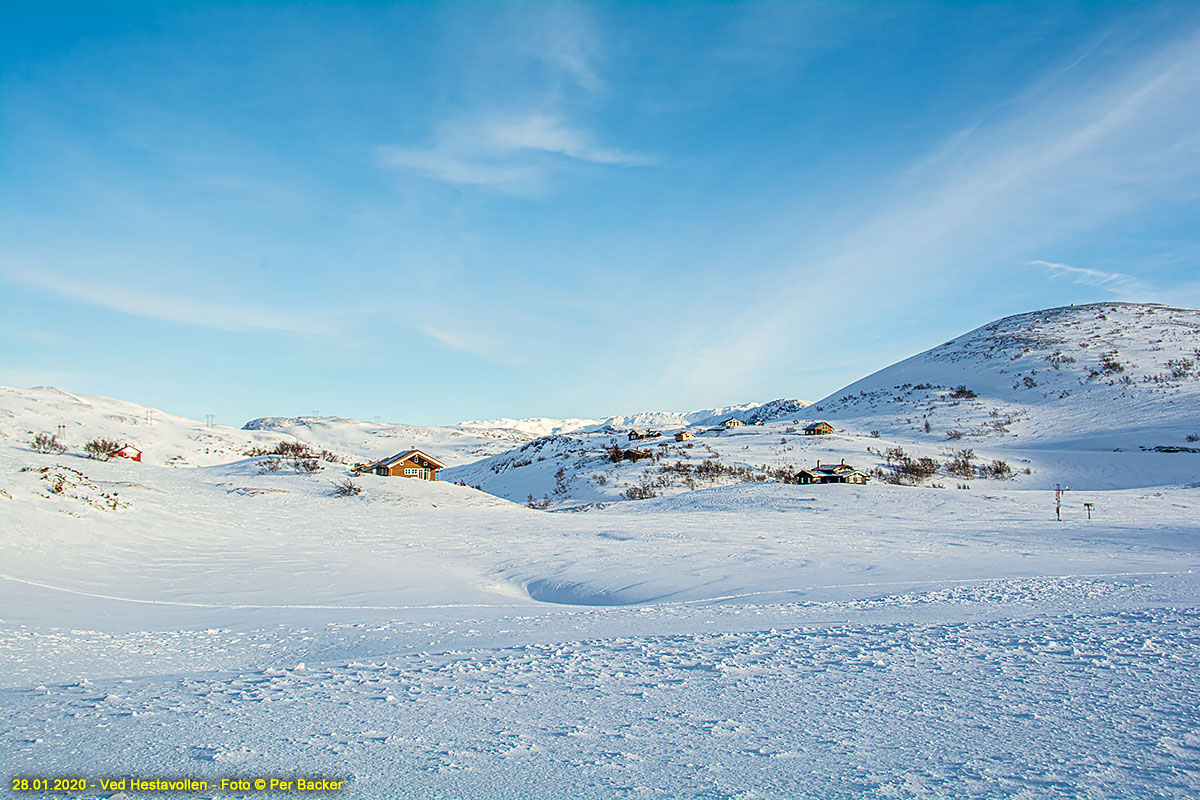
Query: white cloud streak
[[179, 310], [1125, 286], [511, 153]]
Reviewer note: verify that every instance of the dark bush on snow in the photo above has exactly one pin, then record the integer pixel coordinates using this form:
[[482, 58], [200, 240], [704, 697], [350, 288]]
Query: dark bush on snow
[[101, 449], [47, 443]]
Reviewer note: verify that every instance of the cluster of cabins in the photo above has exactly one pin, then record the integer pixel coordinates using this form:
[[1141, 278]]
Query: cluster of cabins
[[416, 463], [813, 429]]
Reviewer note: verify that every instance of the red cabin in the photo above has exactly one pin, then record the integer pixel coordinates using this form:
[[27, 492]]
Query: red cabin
[[130, 452]]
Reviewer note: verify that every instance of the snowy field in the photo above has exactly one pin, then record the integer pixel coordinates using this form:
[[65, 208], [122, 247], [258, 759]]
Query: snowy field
[[744, 641], [197, 615]]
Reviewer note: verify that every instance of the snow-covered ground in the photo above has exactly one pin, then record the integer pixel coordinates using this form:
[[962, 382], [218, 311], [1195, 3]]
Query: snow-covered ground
[[199, 616]]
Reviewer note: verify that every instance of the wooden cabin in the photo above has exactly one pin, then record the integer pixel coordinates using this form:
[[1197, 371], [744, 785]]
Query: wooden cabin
[[835, 473], [683, 436], [733, 422], [130, 452], [636, 434], [818, 429], [409, 464]]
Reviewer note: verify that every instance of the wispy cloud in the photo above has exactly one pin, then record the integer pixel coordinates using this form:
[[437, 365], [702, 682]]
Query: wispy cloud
[[548, 134], [512, 153], [167, 308], [1116, 282], [566, 39]]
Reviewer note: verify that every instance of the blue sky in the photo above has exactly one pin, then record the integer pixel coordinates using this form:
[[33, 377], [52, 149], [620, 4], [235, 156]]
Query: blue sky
[[434, 212]]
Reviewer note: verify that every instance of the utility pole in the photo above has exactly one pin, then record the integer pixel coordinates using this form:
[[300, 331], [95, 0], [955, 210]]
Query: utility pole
[[61, 432], [1089, 507], [208, 420]]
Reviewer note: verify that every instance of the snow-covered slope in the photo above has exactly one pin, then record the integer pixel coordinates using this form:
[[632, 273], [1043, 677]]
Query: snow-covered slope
[[369, 441], [178, 441], [1104, 375], [164, 438], [658, 420]]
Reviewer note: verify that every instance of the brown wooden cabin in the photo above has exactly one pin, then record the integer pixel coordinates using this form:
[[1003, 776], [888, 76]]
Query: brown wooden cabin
[[409, 464], [635, 434], [837, 473], [683, 436], [733, 422], [818, 429]]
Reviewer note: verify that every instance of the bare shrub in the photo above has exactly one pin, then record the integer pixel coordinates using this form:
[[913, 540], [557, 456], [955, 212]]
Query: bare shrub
[[1193, 437], [1109, 364], [346, 488], [539, 505], [917, 469], [954, 434], [959, 464], [639, 492], [101, 449], [998, 469], [295, 450], [903, 469], [962, 393], [47, 443]]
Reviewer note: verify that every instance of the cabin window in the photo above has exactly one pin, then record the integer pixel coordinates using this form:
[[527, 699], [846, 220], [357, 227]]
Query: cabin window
[[410, 471]]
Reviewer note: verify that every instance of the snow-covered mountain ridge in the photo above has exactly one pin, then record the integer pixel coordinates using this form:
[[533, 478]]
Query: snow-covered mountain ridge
[[172, 439], [658, 420], [1101, 375]]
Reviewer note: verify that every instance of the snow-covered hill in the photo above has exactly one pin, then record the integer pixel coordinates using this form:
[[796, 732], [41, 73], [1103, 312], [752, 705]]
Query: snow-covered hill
[[1097, 376], [170, 439], [78, 418], [657, 420], [1039, 393], [370, 441]]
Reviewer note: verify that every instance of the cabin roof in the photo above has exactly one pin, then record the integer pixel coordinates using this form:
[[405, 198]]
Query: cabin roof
[[387, 462], [831, 469]]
